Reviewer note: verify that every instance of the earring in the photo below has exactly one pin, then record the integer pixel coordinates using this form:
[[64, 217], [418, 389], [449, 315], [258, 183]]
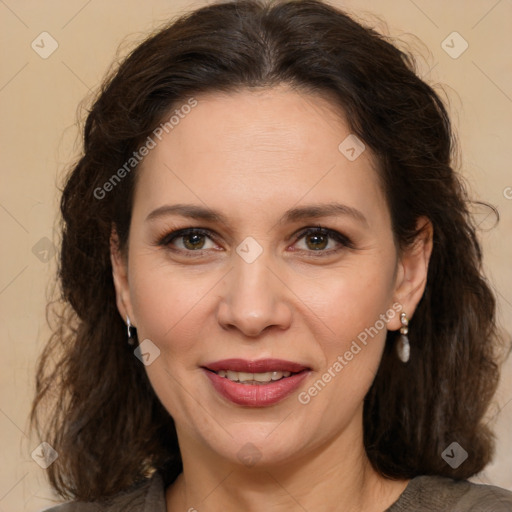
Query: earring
[[403, 348], [131, 340]]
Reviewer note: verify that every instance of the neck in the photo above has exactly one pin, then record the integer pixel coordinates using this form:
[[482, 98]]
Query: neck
[[333, 477]]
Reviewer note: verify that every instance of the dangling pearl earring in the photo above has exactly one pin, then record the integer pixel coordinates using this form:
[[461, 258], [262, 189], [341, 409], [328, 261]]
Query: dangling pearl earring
[[403, 349], [131, 340]]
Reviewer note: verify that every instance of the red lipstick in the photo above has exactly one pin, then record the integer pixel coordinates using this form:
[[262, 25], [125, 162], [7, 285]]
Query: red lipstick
[[255, 395], [259, 366]]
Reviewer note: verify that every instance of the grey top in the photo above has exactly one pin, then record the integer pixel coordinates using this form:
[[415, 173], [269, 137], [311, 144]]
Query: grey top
[[422, 494]]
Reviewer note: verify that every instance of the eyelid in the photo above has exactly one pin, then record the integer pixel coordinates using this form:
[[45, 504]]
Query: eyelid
[[168, 237]]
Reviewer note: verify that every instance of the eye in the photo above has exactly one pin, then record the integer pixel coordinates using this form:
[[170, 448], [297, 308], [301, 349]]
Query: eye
[[188, 240], [322, 240], [317, 241]]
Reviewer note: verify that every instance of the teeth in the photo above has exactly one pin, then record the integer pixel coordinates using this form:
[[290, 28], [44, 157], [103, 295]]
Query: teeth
[[232, 375], [252, 378], [264, 377], [244, 377]]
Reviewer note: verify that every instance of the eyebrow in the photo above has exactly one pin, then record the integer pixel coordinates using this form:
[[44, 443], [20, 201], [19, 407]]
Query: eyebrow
[[313, 211]]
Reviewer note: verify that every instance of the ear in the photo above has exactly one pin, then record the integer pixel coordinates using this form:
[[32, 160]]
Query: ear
[[412, 271], [120, 275]]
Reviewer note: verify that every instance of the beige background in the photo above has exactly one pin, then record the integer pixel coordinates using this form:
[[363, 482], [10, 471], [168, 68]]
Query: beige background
[[38, 104]]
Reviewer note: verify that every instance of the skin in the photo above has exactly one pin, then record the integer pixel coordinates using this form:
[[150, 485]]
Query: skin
[[252, 155]]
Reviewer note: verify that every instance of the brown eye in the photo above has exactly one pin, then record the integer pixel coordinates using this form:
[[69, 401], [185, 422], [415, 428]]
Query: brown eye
[[316, 241], [323, 241], [188, 240], [193, 241]]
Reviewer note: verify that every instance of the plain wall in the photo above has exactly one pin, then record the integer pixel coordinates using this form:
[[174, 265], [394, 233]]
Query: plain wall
[[38, 105]]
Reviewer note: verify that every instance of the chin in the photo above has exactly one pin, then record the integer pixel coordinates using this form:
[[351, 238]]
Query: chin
[[260, 445]]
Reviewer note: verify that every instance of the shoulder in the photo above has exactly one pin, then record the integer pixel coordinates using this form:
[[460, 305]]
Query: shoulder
[[441, 494], [485, 498], [146, 496]]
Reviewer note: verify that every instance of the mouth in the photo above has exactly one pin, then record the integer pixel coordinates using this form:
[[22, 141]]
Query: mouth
[[255, 383]]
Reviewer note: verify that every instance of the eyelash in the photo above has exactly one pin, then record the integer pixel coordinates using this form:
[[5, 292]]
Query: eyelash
[[343, 240]]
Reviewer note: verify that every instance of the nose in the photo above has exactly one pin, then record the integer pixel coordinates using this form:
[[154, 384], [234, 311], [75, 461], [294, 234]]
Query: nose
[[254, 298]]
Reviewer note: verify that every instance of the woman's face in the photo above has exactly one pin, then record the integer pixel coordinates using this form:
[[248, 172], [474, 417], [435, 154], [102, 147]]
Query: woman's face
[[251, 172]]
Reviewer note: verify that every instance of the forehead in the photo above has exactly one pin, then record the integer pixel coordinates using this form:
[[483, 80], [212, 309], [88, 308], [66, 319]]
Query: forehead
[[269, 146]]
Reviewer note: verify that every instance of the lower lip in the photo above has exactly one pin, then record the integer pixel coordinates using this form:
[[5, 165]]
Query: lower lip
[[256, 395]]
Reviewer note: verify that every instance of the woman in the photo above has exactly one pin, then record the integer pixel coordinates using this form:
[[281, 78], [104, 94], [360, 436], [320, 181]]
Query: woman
[[273, 285]]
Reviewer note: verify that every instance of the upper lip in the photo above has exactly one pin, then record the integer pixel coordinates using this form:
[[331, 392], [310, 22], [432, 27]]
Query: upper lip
[[258, 366]]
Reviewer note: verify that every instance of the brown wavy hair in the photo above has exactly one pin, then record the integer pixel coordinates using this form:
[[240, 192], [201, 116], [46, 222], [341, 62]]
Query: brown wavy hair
[[100, 411]]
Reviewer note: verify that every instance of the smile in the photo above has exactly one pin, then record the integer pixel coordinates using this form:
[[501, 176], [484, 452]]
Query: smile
[[255, 383]]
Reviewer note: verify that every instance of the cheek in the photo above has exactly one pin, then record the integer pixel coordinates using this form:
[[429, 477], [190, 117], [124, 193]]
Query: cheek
[[173, 305], [167, 303], [170, 311], [347, 301], [350, 308], [350, 329]]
